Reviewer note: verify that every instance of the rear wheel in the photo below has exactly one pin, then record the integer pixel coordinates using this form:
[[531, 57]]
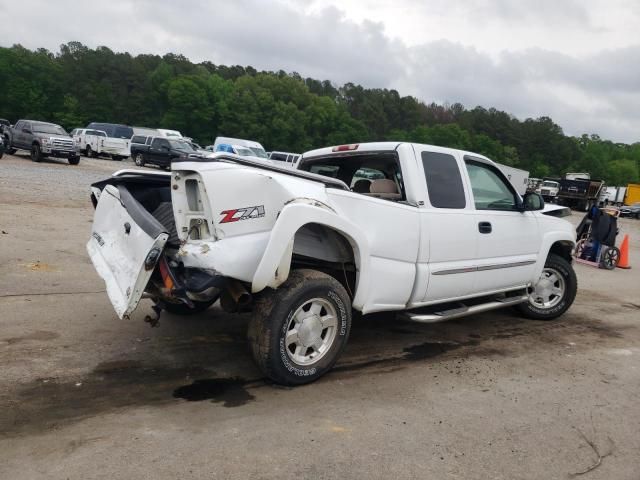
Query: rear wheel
[[36, 153], [553, 293], [299, 330]]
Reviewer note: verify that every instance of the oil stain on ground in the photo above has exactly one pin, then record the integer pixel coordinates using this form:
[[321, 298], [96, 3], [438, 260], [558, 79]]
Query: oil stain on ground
[[231, 392], [48, 403]]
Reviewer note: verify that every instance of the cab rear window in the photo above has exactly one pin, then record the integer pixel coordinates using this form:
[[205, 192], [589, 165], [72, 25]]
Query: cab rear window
[[444, 182]]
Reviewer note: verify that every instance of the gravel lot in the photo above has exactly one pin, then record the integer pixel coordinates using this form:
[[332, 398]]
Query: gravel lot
[[85, 395]]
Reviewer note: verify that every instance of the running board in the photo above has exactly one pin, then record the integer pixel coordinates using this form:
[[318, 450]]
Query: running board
[[464, 310]]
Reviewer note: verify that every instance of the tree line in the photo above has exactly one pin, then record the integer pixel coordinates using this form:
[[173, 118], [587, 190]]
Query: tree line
[[283, 111]]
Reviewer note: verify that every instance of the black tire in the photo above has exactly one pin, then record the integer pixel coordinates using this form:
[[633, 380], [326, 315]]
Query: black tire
[[88, 152], [74, 160], [610, 258], [11, 151], [273, 319], [184, 309], [638, 216], [36, 153], [565, 270], [138, 159]]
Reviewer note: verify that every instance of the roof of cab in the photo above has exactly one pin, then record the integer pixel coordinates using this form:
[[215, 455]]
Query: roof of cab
[[389, 146]]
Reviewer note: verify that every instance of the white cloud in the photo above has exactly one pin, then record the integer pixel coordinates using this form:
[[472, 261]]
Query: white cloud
[[576, 61]]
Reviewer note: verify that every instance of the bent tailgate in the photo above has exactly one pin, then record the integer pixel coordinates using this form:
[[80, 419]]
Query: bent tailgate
[[126, 242]]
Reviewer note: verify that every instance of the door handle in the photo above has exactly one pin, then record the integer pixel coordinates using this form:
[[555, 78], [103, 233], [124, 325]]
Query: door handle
[[484, 227]]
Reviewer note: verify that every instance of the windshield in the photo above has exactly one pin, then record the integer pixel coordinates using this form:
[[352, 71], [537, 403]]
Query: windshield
[[181, 145], [257, 152], [245, 152], [550, 184], [51, 129]]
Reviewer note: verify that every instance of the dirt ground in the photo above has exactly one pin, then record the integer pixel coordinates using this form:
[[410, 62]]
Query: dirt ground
[[85, 395]]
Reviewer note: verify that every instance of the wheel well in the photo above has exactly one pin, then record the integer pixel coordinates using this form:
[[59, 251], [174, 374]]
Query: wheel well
[[562, 249], [324, 249]]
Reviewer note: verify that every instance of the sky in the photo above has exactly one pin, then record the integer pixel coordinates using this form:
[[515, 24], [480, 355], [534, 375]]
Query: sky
[[576, 61]]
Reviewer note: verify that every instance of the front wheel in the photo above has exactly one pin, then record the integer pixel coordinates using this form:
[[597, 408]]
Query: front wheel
[[138, 160], [36, 153], [74, 160], [299, 330], [553, 293]]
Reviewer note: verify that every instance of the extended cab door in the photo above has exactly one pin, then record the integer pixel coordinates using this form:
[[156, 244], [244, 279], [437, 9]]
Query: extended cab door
[[448, 251], [508, 239]]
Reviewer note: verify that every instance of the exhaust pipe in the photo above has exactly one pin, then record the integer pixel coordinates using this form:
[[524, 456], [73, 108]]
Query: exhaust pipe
[[235, 298]]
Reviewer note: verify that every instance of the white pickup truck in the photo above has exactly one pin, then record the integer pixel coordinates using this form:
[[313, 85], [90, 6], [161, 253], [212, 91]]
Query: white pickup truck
[[431, 232]]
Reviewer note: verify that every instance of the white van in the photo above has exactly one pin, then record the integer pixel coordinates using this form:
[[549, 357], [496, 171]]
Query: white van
[[257, 148]]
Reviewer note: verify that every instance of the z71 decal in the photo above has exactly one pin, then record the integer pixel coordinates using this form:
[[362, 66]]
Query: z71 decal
[[246, 213]]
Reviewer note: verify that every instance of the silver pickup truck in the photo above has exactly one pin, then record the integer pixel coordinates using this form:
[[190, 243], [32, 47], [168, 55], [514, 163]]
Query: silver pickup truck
[[42, 140]]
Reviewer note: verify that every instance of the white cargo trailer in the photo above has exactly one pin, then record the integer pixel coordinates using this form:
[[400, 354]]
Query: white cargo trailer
[[518, 178]]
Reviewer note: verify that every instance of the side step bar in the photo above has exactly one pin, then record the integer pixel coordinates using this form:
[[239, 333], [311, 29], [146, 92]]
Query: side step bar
[[464, 310]]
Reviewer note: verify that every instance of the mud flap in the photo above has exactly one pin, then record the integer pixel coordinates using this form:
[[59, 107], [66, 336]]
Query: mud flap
[[125, 245]]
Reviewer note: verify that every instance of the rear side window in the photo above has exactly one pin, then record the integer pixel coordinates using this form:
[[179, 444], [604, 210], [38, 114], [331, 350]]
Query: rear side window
[[444, 182]]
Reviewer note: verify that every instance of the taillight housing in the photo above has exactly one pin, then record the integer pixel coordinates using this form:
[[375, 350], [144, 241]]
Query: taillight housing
[[346, 148]]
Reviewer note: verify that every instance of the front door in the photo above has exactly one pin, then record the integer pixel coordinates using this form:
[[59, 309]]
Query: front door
[[508, 239]]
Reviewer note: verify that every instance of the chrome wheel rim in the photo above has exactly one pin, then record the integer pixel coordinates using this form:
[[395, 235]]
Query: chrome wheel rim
[[139, 160], [311, 331], [549, 289]]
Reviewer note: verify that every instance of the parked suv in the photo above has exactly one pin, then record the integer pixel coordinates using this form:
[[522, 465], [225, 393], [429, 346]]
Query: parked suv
[[42, 140]]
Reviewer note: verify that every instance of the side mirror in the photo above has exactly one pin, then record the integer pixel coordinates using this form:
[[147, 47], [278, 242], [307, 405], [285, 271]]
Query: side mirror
[[532, 201], [27, 130]]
